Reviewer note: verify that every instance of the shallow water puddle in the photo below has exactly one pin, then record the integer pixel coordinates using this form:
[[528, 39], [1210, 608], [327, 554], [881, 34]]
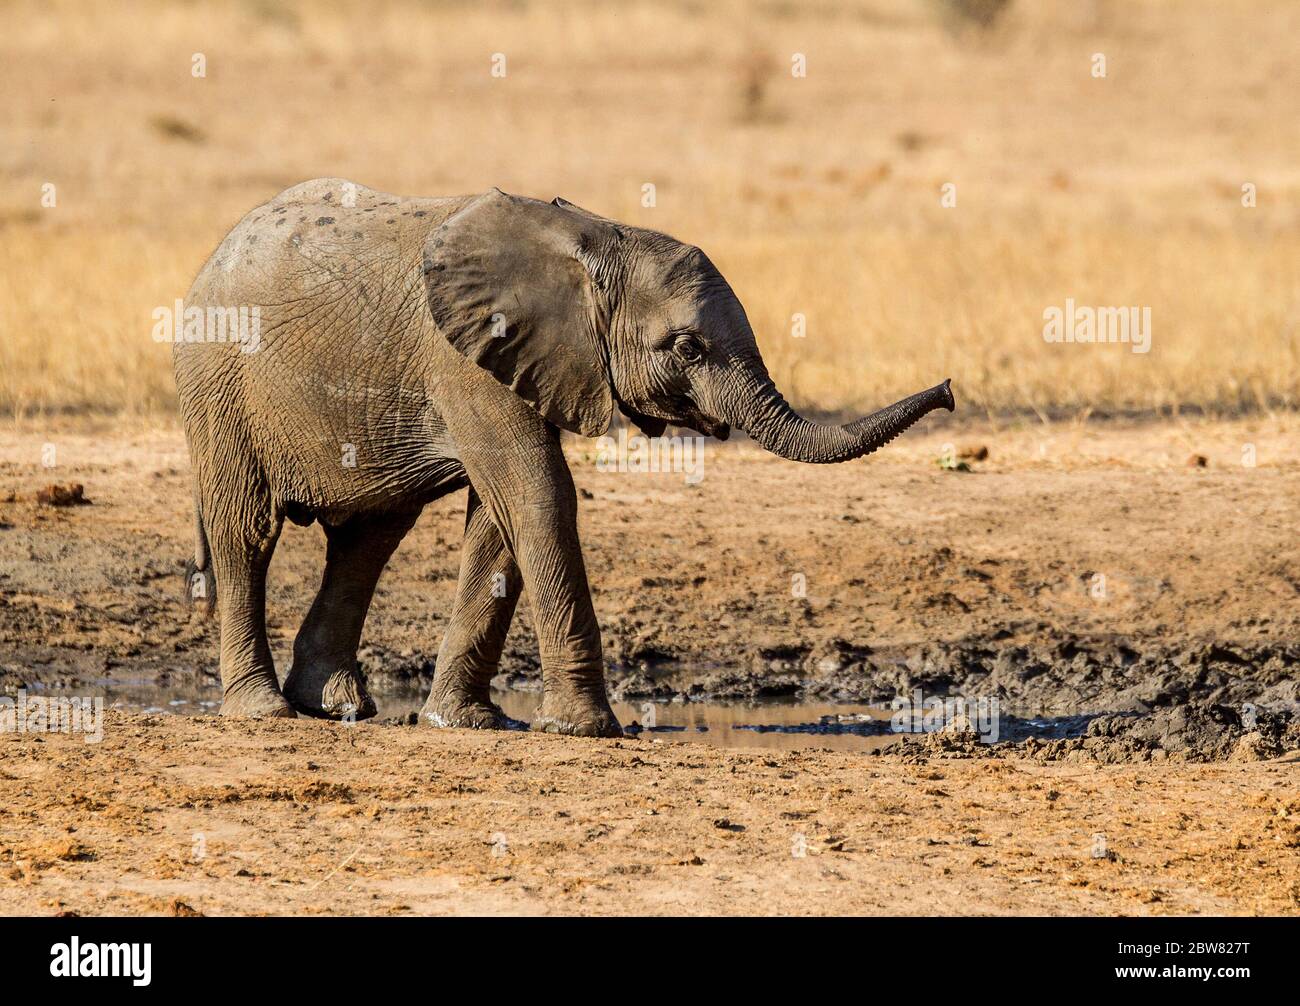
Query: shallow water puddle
[[778, 724], [783, 725]]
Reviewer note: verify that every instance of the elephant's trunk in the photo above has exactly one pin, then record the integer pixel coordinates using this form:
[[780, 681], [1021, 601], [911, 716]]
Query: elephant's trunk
[[773, 423]]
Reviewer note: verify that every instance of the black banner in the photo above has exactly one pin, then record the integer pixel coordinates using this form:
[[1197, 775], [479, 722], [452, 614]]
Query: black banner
[[923, 955]]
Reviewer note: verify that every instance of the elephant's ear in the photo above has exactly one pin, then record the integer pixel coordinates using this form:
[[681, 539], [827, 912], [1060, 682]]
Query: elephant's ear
[[562, 203], [507, 286]]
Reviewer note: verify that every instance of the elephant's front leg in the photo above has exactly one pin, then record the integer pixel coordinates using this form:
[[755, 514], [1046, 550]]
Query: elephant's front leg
[[568, 636], [470, 654], [574, 700], [528, 489]]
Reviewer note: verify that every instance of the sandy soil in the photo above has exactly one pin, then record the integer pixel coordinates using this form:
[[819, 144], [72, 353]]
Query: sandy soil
[[173, 814], [981, 582]]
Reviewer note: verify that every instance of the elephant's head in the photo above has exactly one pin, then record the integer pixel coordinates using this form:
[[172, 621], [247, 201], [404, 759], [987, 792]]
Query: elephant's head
[[576, 313]]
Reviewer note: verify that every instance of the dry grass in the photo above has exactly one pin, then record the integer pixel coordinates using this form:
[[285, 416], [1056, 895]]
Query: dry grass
[[817, 196]]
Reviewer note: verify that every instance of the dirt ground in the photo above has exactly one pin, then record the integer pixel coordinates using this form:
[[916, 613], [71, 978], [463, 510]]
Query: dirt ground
[[980, 582], [172, 814], [1080, 567]]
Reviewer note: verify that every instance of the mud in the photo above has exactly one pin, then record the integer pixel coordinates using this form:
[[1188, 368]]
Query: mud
[[1086, 578], [1064, 676], [1194, 732]]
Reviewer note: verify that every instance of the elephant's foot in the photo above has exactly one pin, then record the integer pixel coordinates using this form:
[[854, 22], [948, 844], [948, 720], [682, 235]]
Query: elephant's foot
[[255, 698], [577, 714], [457, 708], [331, 691]]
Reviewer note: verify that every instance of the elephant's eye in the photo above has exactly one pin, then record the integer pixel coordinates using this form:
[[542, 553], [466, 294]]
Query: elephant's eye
[[688, 348]]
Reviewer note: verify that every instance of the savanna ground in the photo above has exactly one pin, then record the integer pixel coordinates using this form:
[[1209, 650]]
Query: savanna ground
[[172, 815], [899, 556], [1082, 567]]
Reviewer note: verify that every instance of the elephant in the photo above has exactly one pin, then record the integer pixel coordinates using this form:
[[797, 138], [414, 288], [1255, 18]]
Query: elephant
[[408, 348]]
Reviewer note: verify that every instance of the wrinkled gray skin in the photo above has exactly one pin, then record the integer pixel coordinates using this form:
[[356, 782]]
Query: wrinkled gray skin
[[378, 331]]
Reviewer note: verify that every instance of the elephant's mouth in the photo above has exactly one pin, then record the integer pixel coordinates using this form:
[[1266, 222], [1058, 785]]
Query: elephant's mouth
[[694, 419], [649, 425], [691, 418]]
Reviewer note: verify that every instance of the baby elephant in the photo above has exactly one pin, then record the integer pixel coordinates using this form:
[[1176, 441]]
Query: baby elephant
[[392, 350]]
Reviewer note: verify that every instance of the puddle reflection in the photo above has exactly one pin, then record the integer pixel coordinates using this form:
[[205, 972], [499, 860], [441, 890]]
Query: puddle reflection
[[777, 724]]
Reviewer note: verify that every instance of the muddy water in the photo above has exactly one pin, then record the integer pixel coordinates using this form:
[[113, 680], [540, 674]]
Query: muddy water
[[784, 726], [776, 725]]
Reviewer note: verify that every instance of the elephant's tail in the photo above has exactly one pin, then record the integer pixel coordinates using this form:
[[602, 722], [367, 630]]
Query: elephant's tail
[[200, 583]]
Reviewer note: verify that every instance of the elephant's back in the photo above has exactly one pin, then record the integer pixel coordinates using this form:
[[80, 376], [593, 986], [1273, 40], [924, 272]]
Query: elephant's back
[[326, 229], [350, 198], [327, 267]]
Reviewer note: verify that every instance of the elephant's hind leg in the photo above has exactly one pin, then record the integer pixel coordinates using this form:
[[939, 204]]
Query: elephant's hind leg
[[248, 682], [486, 595], [325, 680]]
